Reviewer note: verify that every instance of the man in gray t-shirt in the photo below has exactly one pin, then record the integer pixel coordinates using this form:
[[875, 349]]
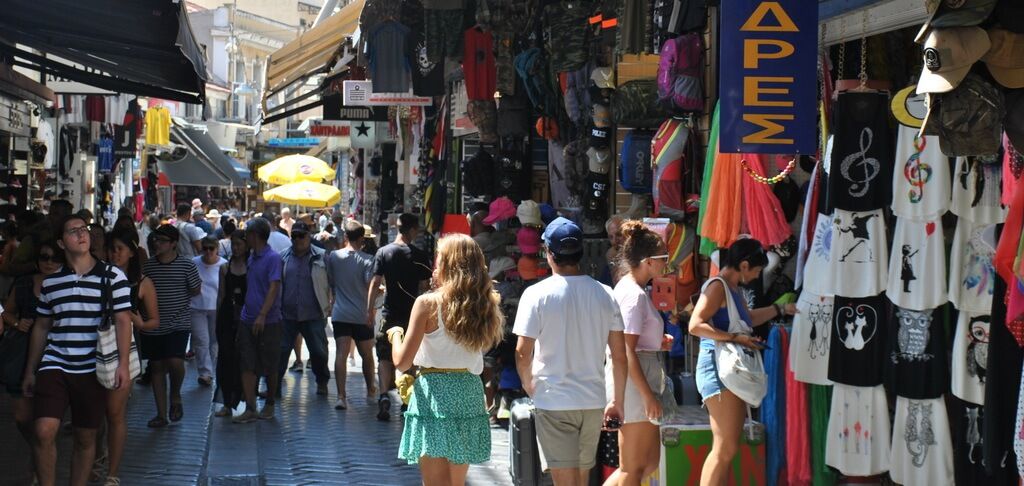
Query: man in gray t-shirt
[[349, 272]]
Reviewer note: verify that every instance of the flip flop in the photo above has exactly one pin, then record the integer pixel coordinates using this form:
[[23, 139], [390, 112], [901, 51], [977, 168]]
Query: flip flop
[[157, 422], [176, 412]]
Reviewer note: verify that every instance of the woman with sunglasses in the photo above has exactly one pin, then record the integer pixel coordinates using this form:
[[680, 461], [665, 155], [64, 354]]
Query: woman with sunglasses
[[204, 309], [230, 299], [126, 255], [742, 263], [18, 317], [643, 256]]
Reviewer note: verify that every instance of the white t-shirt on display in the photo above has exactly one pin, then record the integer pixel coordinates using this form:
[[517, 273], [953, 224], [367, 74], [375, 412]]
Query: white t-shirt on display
[[970, 358], [970, 179], [859, 261], [917, 265], [971, 272], [921, 182], [210, 275], [922, 447], [811, 339], [570, 318], [819, 257]]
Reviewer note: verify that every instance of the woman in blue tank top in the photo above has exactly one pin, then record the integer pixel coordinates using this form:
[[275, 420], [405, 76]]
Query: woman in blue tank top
[[742, 262]]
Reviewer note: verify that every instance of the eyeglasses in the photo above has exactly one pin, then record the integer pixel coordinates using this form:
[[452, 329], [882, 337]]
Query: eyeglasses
[[48, 258], [77, 231], [659, 257], [209, 248]]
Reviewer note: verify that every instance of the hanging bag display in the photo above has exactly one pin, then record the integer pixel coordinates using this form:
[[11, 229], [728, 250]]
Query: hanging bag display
[[635, 171], [635, 104], [740, 368], [107, 358]]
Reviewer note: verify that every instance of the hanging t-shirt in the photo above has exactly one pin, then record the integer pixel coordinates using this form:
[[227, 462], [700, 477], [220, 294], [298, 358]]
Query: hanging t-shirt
[[967, 421], [976, 190], [858, 248], [812, 328], [44, 132], [478, 64], [917, 355], [861, 159], [857, 347], [858, 431], [389, 66], [427, 75], [917, 265], [158, 126], [105, 154], [922, 448], [971, 273], [970, 357], [819, 257], [921, 185]]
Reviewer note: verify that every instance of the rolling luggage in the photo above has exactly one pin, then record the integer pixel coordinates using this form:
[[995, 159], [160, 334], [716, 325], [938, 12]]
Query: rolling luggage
[[524, 454]]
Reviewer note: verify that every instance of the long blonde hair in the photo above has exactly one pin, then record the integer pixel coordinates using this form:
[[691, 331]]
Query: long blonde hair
[[469, 303]]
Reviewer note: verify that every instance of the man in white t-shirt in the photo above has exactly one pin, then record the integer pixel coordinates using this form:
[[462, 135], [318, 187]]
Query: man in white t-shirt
[[191, 235], [565, 323]]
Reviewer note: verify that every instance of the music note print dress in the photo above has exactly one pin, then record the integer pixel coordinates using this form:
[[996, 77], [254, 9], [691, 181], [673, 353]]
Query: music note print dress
[[860, 175], [920, 180]]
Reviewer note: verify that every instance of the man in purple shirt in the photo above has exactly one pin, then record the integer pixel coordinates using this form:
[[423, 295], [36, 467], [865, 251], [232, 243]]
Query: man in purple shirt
[[259, 336]]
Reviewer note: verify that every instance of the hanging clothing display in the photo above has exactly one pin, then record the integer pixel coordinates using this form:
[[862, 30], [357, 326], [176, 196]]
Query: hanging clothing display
[[971, 270], [798, 428], [861, 155], [819, 256], [917, 367], [917, 265], [857, 349], [967, 421], [763, 216], [812, 329], [858, 431], [478, 64], [821, 406], [921, 185], [922, 448], [1003, 374], [158, 126], [1018, 431], [1013, 169], [977, 183], [970, 357], [773, 408], [389, 66], [858, 248], [808, 225]]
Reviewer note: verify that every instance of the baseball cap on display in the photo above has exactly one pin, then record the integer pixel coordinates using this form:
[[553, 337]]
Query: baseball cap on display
[[563, 237], [500, 265], [501, 209], [547, 213], [599, 160], [948, 57], [528, 240], [529, 213], [602, 116], [603, 78], [1005, 60], [957, 13], [528, 267]]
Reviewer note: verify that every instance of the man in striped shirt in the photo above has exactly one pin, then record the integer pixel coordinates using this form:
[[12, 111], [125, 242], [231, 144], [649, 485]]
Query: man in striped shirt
[[63, 346]]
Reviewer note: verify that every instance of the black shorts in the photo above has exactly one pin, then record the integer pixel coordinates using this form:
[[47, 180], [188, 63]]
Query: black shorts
[[56, 389], [383, 346], [259, 354], [163, 346], [358, 332]]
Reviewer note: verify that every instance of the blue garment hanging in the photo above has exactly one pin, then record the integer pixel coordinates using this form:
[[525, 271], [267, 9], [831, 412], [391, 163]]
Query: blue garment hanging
[[773, 408]]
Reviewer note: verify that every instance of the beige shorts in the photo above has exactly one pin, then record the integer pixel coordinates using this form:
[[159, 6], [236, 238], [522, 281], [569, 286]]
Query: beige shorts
[[653, 366], [568, 438]]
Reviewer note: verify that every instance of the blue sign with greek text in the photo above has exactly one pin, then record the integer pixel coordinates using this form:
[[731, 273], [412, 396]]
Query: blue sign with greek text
[[768, 79]]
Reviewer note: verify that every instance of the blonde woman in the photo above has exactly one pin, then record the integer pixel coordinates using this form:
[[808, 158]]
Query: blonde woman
[[446, 426]]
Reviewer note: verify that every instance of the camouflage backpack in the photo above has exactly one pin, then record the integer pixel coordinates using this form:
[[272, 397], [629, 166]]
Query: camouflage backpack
[[635, 104]]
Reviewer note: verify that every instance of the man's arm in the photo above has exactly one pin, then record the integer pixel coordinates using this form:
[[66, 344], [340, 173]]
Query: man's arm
[[36, 345], [524, 363], [371, 298]]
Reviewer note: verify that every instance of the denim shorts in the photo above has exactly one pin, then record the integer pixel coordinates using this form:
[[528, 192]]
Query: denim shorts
[[708, 383]]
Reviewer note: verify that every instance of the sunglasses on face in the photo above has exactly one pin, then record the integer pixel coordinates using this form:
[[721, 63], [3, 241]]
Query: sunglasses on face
[[43, 258]]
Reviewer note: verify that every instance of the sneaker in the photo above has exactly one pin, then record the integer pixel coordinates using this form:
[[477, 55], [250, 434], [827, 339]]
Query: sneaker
[[246, 417], [309, 364], [296, 366], [383, 408], [267, 412], [341, 404], [321, 389]]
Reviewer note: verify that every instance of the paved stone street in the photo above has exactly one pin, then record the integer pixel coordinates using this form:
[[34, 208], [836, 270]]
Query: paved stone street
[[308, 443]]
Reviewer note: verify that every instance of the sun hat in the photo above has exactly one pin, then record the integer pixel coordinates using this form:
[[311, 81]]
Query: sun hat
[[528, 240], [529, 213], [1005, 59]]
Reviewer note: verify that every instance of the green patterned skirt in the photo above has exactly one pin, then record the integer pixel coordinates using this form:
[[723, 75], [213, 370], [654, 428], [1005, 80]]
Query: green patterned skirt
[[447, 419]]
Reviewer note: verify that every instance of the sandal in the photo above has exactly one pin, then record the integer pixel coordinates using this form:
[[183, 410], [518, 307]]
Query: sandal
[[112, 481], [156, 423], [176, 412]]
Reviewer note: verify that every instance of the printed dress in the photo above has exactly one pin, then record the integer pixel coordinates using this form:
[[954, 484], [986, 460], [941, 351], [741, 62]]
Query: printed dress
[[922, 450], [812, 330]]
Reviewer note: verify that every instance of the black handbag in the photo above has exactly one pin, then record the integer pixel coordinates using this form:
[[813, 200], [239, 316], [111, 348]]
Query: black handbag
[[13, 355]]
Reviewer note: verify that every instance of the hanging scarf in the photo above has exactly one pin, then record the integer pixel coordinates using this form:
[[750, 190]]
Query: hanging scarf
[[807, 225], [821, 407], [724, 204], [707, 247], [773, 408], [762, 212], [798, 431]]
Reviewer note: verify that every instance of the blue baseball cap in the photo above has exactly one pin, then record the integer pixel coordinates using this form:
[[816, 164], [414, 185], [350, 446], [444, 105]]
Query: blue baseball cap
[[563, 237], [547, 213]]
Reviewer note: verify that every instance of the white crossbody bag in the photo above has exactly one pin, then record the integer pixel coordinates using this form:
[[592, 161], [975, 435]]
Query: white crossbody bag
[[740, 368]]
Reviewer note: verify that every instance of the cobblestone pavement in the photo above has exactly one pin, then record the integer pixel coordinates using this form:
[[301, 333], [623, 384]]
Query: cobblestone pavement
[[308, 443]]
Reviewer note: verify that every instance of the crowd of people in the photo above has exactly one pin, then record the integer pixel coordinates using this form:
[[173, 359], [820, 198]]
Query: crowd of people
[[237, 293]]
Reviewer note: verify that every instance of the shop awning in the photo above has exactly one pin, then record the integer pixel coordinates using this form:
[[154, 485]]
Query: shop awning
[[205, 164], [143, 47], [313, 52]]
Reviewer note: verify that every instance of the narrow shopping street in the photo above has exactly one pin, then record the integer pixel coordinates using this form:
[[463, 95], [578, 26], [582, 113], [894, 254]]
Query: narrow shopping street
[[308, 443]]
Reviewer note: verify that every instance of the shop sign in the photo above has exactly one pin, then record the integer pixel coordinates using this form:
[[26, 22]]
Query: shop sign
[[125, 140], [356, 113], [329, 128], [360, 93], [294, 142], [14, 117], [769, 77]]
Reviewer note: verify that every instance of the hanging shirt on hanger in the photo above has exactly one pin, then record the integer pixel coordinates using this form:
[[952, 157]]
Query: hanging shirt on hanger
[[971, 272], [812, 330], [857, 347], [918, 367], [1013, 169], [861, 157], [478, 64], [858, 431], [921, 185], [977, 183], [427, 74], [44, 132], [917, 265], [970, 357], [859, 248], [389, 65], [105, 154], [922, 449], [158, 126]]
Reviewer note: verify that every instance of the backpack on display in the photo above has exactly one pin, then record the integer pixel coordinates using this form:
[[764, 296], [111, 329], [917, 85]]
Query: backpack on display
[[512, 173], [514, 115], [531, 66], [635, 172], [478, 174], [680, 73], [635, 104]]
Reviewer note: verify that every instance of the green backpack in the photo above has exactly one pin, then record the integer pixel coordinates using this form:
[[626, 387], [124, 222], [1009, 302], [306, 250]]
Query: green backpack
[[635, 104]]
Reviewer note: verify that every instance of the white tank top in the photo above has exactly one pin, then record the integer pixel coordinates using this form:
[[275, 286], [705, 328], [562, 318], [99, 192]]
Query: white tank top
[[438, 350]]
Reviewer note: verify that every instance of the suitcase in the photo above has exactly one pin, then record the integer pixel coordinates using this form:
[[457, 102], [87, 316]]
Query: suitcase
[[686, 441], [524, 454]]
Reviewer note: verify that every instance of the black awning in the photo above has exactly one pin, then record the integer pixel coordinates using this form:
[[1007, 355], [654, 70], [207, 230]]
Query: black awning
[[143, 47], [205, 149]]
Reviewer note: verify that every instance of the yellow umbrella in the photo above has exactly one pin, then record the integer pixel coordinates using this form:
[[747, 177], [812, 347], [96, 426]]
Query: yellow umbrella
[[295, 168], [304, 193]]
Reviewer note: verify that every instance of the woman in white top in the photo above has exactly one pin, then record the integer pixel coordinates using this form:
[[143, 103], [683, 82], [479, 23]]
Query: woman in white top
[[446, 426], [204, 310], [643, 256]]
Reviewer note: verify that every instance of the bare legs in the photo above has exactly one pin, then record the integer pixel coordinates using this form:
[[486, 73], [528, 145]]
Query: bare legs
[[639, 453], [46, 452], [343, 348], [438, 471], [727, 414], [117, 429]]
